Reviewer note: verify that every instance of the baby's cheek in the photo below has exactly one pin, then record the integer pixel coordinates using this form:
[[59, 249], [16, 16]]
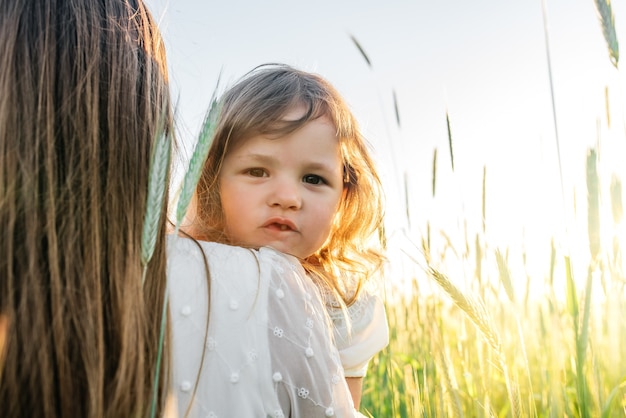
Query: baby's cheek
[[326, 225]]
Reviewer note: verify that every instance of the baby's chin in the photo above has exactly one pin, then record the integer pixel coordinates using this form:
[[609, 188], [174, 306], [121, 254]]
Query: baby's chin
[[278, 246]]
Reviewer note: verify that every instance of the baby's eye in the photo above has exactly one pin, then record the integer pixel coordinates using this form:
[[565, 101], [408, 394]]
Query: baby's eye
[[257, 172], [313, 179]]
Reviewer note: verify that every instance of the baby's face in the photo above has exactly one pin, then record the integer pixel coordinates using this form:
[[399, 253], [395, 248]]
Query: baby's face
[[284, 192]]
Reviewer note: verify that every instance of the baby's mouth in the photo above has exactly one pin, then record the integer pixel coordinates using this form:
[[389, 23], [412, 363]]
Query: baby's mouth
[[280, 225]]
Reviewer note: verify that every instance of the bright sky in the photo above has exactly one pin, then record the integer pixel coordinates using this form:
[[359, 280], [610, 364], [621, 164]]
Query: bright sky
[[483, 60]]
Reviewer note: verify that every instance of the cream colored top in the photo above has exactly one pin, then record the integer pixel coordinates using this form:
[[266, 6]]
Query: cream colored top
[[363, 335], [268, 350]]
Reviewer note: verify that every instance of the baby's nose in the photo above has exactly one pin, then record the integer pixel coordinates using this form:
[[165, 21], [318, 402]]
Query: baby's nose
[[286, 194]]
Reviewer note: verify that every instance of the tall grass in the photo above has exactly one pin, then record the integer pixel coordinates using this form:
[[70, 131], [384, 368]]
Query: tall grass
[[457, 353], [487, 350]]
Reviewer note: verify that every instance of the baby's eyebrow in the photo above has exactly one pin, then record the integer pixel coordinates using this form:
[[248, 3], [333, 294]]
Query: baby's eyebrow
[[256, 157], [318, 166]]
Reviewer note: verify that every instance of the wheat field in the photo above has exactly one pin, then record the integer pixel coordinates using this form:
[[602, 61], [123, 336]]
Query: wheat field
[[482, 345]]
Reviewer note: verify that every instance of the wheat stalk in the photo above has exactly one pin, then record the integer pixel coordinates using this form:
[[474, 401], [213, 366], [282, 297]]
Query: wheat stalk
[[198, 158], [189, 185], [361, 50], [553, 100], [450, 382], [434, 188], [476, 312], [450, 139], [607, 408], [505, 276], [157, 371], [395, 106], [407, 202], [593, 204], [157, 182], [607, 21], [616, 199], [582, 341], [411, 382]]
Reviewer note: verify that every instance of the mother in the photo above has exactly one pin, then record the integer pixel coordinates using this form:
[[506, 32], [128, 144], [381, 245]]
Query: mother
[[83, 95]]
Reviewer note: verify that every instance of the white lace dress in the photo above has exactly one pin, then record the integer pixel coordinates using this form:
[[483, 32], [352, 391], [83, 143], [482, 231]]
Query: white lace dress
[[268, 351], [363, 335]]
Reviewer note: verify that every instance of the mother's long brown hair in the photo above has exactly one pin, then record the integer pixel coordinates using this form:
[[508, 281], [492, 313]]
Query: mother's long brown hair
[[83, 91]]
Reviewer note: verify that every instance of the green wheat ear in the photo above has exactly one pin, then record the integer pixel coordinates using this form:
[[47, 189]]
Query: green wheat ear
[[198, 158], [450, 139], [616, 199], [157, 183], [434, 185], [505, 275], [607, 21], [593, 204], [190, 181], [361, 50]]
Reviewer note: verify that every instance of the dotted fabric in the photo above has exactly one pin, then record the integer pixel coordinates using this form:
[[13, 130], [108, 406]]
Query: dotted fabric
[[268, 351]]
